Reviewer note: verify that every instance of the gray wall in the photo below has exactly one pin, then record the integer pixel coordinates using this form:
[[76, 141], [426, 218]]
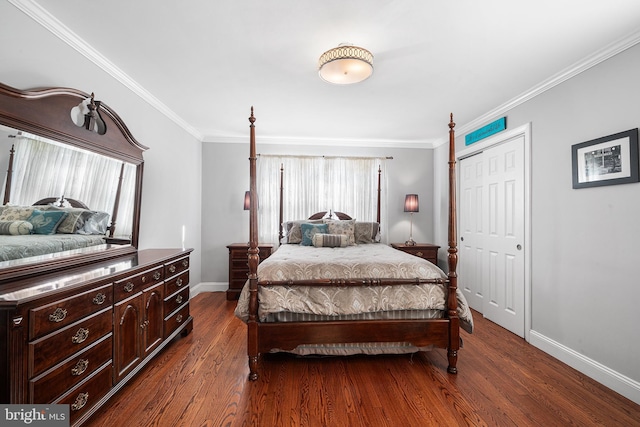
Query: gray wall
[[584, 244], [33, 57], [226, 177]]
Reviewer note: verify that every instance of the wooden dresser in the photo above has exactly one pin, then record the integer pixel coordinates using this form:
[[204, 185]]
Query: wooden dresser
[[76, 336], [239, 267], [422, 250]]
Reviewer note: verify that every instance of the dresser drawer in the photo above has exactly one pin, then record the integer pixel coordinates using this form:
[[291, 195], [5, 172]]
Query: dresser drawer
[[87, 394], [51, 317], [175, 319], [126, 287], [52, 349], [174, 301], [176, 267], [52, 384], [175, 284]]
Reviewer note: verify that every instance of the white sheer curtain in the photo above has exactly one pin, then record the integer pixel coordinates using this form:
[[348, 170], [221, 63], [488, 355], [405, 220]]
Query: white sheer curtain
[[45, 169], [315, 184]]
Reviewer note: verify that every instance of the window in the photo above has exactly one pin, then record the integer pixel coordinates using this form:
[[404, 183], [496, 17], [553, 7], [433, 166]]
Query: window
[[316, 184]]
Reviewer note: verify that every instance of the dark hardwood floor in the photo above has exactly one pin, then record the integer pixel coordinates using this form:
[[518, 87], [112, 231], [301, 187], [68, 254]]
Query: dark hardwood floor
[[201, 380]]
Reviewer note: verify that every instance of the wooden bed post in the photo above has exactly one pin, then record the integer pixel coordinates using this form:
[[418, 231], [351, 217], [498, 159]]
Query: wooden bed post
[[452, 259], [379, 191], [116, 203], [7, 187], [281, 217], [253, 257]]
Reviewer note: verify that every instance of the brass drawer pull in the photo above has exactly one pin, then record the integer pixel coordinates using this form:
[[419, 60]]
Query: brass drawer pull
[[81, 400], [179, 282], [58, 315], [179, 299], [99, 299], [420, 254], [129, 287], [80, 336], [80, 367], [179, 318], [156, 275], [185, 263], [172, 268]]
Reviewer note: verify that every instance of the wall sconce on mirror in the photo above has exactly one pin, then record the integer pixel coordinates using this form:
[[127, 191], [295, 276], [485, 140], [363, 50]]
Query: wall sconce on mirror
[[87, 115]]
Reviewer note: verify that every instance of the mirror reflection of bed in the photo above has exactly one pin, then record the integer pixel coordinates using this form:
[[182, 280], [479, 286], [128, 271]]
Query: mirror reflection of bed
[[81, 199]]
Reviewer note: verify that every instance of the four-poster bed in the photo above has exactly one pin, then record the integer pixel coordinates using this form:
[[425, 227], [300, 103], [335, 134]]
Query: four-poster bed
[[379, 300]]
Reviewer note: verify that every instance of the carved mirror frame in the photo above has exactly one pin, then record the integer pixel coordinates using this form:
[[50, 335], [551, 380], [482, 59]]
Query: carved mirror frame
[[47, 112]]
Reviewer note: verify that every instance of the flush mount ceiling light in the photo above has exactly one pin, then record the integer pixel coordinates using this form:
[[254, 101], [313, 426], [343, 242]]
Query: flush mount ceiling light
[[345, 64]]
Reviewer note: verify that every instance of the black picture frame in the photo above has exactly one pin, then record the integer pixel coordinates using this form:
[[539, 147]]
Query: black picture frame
[[609, 160]]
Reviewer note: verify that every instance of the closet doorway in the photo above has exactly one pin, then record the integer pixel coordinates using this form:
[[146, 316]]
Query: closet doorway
[[494, 222]]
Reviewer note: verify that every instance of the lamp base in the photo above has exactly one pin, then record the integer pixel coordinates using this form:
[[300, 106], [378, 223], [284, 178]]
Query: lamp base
[[410, 242]]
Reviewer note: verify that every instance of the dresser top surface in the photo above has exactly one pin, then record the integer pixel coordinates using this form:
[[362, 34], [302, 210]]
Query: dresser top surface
[[20, 291]]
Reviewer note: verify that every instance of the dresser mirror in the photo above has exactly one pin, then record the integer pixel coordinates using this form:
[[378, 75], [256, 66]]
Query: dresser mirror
[[73, 182]]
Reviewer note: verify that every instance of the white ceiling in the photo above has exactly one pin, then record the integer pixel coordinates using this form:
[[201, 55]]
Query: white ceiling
[[205, 62]]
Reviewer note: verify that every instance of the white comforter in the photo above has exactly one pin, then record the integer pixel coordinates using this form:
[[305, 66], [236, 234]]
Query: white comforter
[[372, 261]]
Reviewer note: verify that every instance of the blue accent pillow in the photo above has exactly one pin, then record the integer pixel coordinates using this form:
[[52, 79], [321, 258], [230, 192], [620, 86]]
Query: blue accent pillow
[[309, 230], [46, 222]]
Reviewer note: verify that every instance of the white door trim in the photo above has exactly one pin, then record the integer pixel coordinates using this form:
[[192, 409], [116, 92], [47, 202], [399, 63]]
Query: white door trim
[[525, 131]]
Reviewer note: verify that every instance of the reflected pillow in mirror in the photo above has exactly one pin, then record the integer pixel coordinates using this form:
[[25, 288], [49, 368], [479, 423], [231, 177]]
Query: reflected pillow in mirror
[[75, 220], [46, 222], [15, 228], [96, 223], [16, 213]]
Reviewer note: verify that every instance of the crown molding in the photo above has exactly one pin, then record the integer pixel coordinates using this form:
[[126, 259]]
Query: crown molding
[[586, 63], [325, 142], [51, 23]]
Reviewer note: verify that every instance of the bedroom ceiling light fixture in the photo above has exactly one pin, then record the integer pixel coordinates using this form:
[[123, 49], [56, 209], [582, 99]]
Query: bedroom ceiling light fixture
[[411, 205], [345, 64]]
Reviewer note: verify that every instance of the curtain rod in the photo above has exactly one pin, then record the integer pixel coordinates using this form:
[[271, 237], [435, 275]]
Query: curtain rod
[[327, 157]]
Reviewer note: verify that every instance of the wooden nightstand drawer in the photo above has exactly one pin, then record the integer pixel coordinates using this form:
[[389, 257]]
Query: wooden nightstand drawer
[[422, 250], [239, 266]]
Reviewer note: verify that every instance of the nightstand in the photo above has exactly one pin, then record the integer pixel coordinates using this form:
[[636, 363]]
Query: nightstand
[[422, 250], [239, 266]]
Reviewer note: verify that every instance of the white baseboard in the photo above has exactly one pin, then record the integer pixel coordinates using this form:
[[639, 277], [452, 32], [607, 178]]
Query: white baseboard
[[208, 287], [606, 376]]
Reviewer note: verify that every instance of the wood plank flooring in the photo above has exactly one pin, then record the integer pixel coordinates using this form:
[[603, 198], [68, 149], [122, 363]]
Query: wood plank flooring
[[201, 380]]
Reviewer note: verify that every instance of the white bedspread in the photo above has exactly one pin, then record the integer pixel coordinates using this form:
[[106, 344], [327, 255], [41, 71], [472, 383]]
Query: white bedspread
[[372, 261]]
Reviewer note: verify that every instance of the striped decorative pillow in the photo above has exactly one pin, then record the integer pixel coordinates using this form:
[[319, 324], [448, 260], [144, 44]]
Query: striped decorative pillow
[[15, 228], [330, 240]]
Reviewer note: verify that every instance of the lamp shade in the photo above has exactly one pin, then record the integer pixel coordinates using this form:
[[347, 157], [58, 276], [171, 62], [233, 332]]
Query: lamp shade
[[247, 200], [411, 203], [345, 64]]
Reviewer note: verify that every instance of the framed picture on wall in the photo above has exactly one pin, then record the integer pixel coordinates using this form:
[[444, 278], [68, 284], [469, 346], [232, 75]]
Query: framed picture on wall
[[608, 160]]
